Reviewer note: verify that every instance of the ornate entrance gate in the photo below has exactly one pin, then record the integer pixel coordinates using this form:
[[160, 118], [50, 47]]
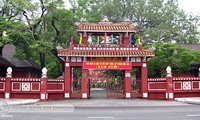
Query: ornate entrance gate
[[122, 53]]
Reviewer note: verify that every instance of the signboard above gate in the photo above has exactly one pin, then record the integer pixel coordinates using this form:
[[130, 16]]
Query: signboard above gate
[[107, 65]]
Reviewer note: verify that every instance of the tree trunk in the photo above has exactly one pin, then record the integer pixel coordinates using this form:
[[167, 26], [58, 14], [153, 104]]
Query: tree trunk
[[42, 59]]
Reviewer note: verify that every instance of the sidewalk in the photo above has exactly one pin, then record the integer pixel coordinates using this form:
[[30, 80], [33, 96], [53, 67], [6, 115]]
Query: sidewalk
[[20, 101], [191, 100], [106, 102], [112, 102]]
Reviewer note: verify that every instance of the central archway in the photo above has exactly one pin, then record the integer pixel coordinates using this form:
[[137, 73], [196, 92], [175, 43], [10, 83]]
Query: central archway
[[106, 84]]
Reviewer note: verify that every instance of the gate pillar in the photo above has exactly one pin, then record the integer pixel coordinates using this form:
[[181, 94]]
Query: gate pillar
[[85, 39], [144, 80], [67, 80], [84, 84], [43, 87], [169, 84], [126, 39], [127, 83], [8, 83]]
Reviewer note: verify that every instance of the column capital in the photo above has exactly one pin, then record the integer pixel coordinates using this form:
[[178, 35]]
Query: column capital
[[9, 72]]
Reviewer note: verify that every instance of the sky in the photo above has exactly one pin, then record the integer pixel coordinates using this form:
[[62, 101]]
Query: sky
[[190, 6]]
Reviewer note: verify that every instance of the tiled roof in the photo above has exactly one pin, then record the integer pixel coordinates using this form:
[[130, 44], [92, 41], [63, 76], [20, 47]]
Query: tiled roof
[[4, 62], [8, 54], [104, 53], [26, 63], [105, 27]]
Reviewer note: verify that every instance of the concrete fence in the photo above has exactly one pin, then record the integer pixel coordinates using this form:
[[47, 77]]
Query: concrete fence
[[40, 88], [173, 87]]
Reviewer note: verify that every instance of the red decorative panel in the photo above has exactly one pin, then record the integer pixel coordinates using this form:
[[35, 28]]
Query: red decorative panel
[[107, 65], [157, 95], [55, 86], [35, 86], [16, 86], [2, 86], [157, 85], [195, 85], [25, 95], [55, 96], [177, 85]]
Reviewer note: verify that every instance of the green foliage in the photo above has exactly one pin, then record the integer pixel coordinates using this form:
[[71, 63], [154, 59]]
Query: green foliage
[[77, 71], [156, 20], [36, 27], [178, 58], [114, 74]]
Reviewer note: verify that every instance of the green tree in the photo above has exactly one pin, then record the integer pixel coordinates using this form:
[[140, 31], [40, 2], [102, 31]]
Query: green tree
[[9, 23], [178, 58], [42, 26], [156, 20]]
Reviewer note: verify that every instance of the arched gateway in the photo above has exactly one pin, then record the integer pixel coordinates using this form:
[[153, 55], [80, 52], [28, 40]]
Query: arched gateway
[[122, 56]]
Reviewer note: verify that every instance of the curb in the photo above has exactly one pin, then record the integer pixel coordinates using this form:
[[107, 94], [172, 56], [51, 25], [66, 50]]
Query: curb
[[189, 100]]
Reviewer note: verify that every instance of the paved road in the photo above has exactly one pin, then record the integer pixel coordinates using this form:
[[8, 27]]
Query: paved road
[[189, 112], [98, 93]]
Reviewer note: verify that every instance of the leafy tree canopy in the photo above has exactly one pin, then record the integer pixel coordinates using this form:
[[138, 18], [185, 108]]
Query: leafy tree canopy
[[156, 20], [37, 27], [178, 58]]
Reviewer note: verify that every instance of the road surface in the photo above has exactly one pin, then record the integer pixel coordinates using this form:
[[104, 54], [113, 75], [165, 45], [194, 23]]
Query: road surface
[[189, 112]]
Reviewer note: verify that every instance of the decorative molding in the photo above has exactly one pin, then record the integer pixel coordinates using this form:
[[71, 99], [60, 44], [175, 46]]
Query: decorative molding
[[7, 95], [138, 59], [128, 75], [79, 59], [145, 95], [144, 65], [126, 35], [174, 86], [67, 59], [187, 86], [144, 59], [58, 89], [154, 83], [128, 95], [35, 83], [193, 85], [66, 95], [127, 59], [43, 96], [19, 86], [67, 64], [3, 86], [84, 95], [85, 34], [133, 59], [73, 59], [171, 95], [26, 86]]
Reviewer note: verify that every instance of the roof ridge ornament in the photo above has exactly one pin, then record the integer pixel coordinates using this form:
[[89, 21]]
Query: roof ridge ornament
[[105, 20], [126, 20], [83, 20]]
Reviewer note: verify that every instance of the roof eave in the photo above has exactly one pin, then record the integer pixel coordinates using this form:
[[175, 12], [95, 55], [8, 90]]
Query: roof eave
[[117, 31]]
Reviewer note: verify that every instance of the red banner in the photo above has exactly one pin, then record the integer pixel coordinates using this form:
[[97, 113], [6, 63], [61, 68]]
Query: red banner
[[107, 65]]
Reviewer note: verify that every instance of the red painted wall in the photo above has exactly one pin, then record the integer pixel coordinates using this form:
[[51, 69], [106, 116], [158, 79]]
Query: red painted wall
[[26, 95], [157, 95], [55, 96]]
